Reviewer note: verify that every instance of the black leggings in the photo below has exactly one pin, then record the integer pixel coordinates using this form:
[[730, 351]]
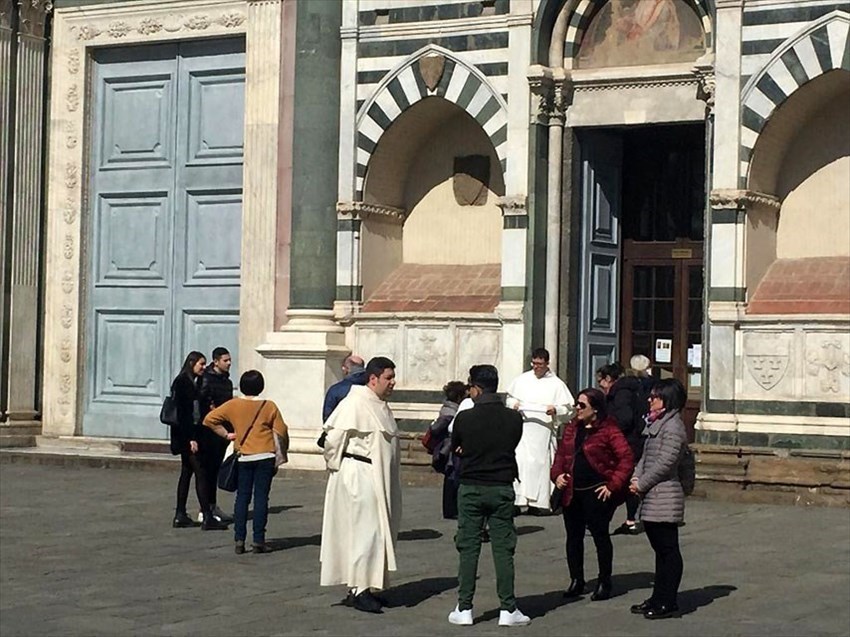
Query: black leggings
[[191, 463], [664, 538], [587, 511]]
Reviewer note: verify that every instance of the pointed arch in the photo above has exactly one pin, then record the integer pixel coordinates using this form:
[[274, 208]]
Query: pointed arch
[[460, 83], [821, 46]]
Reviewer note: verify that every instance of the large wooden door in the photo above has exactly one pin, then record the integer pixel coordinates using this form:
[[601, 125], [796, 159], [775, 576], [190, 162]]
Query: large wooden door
[[165, 231]]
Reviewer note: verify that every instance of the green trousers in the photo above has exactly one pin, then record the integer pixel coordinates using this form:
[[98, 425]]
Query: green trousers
[[478, 507]]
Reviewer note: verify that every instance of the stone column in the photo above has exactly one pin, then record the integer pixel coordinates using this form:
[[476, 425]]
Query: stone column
[[23, 402], [303, 357], [259, 218], [6, 61]]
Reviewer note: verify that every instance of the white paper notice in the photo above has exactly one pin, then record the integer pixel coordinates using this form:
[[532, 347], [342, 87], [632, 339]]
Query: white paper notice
[[695, 355], [663, 350]]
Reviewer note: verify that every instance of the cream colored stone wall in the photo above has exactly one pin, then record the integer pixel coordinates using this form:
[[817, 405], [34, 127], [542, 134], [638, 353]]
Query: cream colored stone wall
[[814, 186], [439, 230], [380, 244]]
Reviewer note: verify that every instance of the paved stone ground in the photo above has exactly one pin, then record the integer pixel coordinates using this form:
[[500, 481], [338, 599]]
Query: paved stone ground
[[88, 551]]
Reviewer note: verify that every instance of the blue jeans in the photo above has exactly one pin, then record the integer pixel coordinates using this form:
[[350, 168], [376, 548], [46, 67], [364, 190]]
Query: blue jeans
[[256, 475]]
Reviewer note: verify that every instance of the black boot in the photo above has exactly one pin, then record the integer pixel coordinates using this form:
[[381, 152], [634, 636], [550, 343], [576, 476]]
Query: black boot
[[182, 520], [211, 524], [575, 589], [603, 590]]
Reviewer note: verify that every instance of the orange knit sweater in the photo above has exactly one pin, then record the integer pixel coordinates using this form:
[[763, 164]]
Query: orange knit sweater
[[240, 412]]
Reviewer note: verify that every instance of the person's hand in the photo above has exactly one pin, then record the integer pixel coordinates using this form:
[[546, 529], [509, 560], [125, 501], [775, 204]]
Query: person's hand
[[193, 446], [561, 480], [633, 488], [231, 436], [603, 493], [516, 407], [458, 451], [551, 411]]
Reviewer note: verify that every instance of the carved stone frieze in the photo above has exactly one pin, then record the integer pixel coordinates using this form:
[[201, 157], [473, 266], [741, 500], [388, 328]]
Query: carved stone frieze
[[72, 98], [68, 282], [32, 16], [66, 317], [363, 210], [173, 23], [71, 175], [73, 61], [68, 247], [513, 205], [828, 362], [69, 213], [730, 199]]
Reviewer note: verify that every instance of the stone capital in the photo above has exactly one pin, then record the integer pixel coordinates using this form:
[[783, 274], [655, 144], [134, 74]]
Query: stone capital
[[513, 205], [704, 72], [33, 15], [551, 93], [730, 199], [6, 9]]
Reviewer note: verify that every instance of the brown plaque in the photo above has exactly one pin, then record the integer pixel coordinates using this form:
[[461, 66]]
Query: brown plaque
[[681, 253]]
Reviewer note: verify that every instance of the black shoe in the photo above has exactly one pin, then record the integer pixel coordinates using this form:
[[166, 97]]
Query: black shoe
[[367, 603], [211, 524], [349, 600], [221, 516], [623, 529], [182, 521], [662, 611], [602, 592], [239, 547], [538, 512], [262, 547], [645, 605], [517, 511], [575, 589]]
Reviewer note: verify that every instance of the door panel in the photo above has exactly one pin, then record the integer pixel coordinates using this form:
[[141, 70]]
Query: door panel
[[602, 158], [166, 224]]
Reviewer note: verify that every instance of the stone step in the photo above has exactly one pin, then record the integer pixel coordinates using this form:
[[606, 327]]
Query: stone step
[[15, 434]]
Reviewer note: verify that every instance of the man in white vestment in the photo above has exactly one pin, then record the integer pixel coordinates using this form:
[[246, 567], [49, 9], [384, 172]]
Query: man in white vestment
[[544, 400], [363, 498]]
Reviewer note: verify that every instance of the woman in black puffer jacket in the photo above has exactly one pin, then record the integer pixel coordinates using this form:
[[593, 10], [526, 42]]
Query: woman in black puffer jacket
[[184, 442]]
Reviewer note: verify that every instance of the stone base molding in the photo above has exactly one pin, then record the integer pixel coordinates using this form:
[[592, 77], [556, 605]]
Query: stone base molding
[[306, 354]]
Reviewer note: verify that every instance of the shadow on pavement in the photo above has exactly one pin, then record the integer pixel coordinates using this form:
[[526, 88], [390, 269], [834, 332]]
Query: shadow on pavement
[[280, 508], [690, 601], [284, 543], [534, 605], [414, 593], [526, 530], [622, 584], [419, 534]]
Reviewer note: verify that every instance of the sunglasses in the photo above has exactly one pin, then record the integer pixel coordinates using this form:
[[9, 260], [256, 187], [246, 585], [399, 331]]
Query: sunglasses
[[654, 397], [581, 405]]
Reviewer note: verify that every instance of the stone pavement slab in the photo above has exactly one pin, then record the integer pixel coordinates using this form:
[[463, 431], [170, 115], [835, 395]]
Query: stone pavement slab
[[87, 551]]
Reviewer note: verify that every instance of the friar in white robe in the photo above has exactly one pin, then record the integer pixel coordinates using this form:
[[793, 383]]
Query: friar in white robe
[[362, 510], [544, 400]]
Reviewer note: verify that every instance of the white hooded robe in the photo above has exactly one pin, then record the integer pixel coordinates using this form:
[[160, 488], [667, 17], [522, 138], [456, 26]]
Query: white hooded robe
[[362, 510]]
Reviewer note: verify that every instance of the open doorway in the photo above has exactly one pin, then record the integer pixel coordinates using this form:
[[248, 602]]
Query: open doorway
[[641, 285]]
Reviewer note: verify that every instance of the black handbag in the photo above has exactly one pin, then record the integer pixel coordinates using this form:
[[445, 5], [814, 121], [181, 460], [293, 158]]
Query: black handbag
[[556, 504], [168, 413], [228, 473]]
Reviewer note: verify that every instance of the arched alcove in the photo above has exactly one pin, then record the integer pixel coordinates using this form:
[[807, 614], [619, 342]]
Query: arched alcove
[[436, 164]]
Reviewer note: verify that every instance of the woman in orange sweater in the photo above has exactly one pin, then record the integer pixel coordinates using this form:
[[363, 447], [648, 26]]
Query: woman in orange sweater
[[255, 424]]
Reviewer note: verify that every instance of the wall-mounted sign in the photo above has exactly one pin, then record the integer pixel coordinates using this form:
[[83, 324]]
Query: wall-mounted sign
[[663, 350]]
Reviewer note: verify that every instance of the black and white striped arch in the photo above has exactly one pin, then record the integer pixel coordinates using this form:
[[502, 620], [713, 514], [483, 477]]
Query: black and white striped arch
[[461, 84], [822, 46]]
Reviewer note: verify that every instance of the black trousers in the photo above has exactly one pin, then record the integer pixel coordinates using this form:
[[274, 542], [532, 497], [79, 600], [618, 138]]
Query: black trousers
[[449, 498], [664, 538], [212, 451], [191, 464], [632, 504], [587, 511]]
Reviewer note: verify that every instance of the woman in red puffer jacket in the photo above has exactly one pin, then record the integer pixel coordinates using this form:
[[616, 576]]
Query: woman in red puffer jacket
[[592, 468]]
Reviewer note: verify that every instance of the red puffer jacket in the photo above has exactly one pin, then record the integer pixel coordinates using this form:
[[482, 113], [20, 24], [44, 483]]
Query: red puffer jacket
[[606, 450]]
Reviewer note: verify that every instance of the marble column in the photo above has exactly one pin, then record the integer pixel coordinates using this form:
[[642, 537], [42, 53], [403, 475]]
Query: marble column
[[23, 401], [259, 221], [6, 62]]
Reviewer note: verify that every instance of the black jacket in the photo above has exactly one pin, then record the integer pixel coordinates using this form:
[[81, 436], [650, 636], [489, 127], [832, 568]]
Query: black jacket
[[216, 388], [624, 404], [487, 435], [188, 400]]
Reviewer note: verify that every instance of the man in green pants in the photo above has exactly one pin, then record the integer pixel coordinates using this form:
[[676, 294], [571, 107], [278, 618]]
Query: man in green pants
[[485, 438]]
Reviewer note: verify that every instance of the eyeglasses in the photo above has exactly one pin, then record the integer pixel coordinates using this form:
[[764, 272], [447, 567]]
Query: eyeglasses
[[654, 397], [581, 405]]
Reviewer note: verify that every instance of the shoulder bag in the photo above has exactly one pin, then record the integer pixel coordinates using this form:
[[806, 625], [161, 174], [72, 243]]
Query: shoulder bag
[[228, 474], [168, 413]]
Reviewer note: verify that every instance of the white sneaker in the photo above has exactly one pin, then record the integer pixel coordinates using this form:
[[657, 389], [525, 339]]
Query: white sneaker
[[515, 618], [200, 516], [461, 617]]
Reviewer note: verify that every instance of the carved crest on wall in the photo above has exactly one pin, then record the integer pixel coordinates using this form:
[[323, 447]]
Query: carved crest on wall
[[767, 362], [431, 68], [828, 364]]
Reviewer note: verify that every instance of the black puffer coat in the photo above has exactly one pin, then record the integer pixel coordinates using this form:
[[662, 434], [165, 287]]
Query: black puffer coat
[[624, 400]]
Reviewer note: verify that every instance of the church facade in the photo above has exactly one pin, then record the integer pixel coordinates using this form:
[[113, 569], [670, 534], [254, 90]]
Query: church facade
[[453, 183]]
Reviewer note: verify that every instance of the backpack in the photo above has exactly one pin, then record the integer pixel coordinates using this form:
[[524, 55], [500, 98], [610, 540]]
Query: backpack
[[688, 470]]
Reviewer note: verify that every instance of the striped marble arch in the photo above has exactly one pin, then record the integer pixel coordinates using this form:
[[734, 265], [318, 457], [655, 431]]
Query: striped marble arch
[[821, 46], [586, 9], [460, 83]]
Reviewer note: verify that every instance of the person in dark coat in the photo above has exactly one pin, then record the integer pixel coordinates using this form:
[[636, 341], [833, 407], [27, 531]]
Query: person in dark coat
[[662, 508], [355, 374], [185, 442], [592, 467], [216, 389], [626, 404], [442, 458]]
